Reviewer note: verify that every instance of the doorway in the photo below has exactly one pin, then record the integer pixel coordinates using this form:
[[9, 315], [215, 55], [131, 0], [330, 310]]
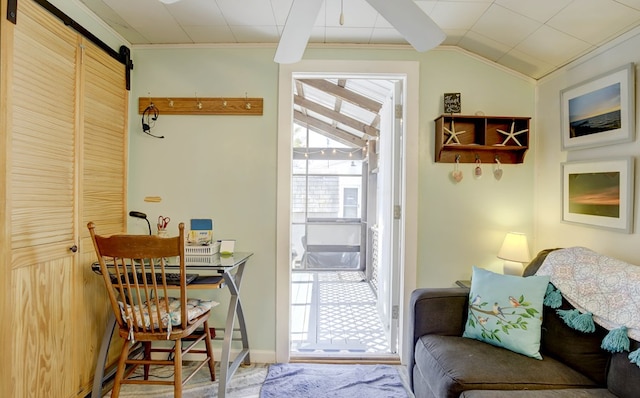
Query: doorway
[[334, 297], [344, 243]]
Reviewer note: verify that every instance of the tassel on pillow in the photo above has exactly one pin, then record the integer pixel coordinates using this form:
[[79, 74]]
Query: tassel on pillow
[[634, 357], [553, 297], [616, 340]]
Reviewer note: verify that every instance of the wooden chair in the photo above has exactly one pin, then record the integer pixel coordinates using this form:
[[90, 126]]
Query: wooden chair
[[144, 309]]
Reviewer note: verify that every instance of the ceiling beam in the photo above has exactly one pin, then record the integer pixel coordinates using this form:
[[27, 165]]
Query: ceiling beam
[[336, 116], [326, 129], [345, 94]]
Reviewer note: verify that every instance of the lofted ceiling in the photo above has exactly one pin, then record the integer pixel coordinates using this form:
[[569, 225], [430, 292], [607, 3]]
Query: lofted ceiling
[[345, 110], [531, 37]]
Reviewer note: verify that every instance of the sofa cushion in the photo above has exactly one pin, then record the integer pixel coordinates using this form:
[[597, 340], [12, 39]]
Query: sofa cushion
[[624, 376], [450, 365], [579, 350], [506, 311], [536, 263], [564, 393]]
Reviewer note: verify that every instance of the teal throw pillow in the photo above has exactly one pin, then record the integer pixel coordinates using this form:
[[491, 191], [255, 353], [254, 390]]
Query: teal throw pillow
[[506, 311]]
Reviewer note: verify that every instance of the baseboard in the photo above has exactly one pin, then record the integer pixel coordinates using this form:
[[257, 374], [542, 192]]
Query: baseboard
[[256, 356]]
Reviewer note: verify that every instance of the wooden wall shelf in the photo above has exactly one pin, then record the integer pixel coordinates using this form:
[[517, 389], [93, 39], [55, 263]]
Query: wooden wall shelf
[[484, 138], [203, 106]]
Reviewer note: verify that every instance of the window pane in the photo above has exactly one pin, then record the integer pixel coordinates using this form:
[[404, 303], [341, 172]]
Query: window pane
[[342, 167]]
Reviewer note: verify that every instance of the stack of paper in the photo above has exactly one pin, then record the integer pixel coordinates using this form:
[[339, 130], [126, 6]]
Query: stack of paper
[[201, 232]]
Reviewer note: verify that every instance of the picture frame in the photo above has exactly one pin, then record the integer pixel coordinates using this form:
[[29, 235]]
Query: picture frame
[[599, 111], [599, 193], [452, 102]]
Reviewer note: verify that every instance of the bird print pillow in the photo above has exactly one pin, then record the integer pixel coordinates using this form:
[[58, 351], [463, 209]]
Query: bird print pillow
[[506, 311]]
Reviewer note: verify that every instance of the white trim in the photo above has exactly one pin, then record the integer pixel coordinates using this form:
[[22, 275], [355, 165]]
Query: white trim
[[86, 10], [409, 70]]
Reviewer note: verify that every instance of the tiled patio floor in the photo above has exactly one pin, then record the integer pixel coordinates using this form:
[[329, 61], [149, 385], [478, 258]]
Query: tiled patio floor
[[335, 312]]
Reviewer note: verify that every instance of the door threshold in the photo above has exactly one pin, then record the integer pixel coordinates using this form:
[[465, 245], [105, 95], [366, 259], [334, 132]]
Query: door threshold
[[390, 359]]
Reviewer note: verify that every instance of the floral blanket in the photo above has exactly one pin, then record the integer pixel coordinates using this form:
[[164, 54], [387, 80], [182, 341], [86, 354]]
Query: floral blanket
[[606, 287]]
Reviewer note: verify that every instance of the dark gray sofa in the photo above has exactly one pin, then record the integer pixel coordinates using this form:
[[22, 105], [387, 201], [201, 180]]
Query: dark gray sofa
[[443, 364]]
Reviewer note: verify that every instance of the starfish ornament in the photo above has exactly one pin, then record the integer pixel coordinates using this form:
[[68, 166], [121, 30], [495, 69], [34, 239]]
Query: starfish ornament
[[512, 135], [453, 134]]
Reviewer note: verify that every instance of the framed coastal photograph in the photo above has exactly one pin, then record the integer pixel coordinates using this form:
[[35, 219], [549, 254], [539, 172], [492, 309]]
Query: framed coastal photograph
[[599, 193], [599, 111]]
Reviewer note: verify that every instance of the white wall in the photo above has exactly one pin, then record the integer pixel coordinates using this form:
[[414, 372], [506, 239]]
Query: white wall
[[220, 167], [464, 224], [224, 167], [550, 231]]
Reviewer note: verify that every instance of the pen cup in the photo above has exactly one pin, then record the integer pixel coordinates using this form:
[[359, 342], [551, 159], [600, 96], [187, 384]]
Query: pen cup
[[162, 233]]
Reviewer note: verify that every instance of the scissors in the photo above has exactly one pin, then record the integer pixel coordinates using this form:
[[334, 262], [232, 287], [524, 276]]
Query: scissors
[[163, 222]]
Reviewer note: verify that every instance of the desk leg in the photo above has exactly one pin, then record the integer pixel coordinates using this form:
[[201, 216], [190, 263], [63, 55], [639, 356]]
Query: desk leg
[[235, 308], [98, 375]]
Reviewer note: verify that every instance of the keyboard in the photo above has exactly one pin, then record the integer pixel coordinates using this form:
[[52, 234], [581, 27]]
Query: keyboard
[[173, 278]]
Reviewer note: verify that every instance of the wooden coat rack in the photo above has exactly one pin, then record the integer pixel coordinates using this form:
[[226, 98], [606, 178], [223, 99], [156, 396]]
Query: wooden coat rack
[[203, 106]]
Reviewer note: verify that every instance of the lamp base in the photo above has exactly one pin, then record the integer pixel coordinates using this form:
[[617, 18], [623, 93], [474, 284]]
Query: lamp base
[[512, 268]]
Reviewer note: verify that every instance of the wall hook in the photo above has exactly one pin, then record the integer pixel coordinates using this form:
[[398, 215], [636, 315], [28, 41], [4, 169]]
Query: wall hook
[[497, 172], [170, 102], [247, 105], [478, 170], [456, 174]]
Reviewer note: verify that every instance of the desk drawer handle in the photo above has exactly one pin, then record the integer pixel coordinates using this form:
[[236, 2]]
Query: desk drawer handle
[[73, 248]]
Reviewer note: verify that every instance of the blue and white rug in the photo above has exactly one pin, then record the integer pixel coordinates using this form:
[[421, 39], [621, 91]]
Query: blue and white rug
[[247, 382], [302, 380]]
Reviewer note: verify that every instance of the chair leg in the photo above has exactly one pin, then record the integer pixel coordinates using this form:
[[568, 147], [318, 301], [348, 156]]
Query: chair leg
[[207, 343], [147, 355], [177, 365], [122, 364]]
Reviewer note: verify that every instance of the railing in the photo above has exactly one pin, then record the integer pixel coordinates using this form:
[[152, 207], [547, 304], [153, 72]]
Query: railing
[[332, 244], [372, 270]]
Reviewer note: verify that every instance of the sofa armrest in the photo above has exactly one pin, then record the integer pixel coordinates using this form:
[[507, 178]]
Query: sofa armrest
[[441, 311]]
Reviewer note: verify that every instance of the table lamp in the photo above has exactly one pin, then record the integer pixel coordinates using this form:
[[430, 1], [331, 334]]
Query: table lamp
[[514, 252], [139, 214]]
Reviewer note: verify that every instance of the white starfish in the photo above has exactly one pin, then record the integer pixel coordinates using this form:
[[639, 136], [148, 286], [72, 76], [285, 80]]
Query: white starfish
[[453, 134], [512, 135]]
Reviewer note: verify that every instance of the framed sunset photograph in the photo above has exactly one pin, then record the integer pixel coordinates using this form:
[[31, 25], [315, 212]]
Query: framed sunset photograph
[[599, 111], [599, 193]]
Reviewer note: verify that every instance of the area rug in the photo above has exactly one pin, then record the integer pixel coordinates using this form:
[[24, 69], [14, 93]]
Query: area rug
[[333, 381], [245, 383]]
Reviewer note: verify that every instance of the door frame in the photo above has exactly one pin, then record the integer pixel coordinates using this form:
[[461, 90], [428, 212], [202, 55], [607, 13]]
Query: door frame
[[409, 71]]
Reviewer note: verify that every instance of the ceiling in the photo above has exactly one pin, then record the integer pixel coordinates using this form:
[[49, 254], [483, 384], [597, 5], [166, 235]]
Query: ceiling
[[345, 110], [531, 37]]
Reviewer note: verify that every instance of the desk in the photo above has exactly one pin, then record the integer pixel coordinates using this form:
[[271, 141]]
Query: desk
[[231, 273]]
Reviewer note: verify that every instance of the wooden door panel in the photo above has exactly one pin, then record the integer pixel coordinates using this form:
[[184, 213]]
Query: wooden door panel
[[42, 177], [41, 195], [103, 187], [41, 343]]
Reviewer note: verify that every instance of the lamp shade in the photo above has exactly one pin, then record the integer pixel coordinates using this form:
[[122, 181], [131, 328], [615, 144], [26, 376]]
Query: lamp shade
[[515, 248]]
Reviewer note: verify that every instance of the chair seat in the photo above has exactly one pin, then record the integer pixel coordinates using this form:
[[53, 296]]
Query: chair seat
[[195, 308]]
